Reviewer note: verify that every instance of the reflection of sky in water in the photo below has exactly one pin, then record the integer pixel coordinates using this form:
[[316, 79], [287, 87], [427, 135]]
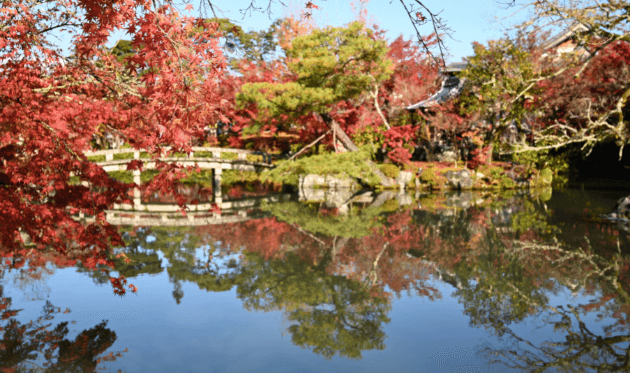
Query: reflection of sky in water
[[213, 332]]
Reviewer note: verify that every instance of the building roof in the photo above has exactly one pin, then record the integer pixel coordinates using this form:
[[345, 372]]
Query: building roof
[[566, 35], [451, 87], [455, 67]]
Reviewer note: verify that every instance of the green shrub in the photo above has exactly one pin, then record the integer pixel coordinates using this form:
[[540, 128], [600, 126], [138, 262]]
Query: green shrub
[[231, 177], [390, 170], [203, 154], [545, 177], [351, 164], [506, 183], [123, 156], [254, 157], [558, 163], [494, 172], [124, 176], [148, 175], [433, 177], [227, 155], [96, 158], [202, 177]]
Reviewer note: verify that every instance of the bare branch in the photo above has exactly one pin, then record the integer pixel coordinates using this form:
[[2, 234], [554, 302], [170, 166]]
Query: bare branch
[[438, 26]]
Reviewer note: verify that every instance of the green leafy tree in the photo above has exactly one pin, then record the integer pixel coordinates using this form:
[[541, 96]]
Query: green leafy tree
[[497, 75], [326, 67], [123, 49]]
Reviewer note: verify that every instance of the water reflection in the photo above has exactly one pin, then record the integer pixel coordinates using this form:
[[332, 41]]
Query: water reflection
[[38, 345], [330, 314], [335, 264], [586, 337]]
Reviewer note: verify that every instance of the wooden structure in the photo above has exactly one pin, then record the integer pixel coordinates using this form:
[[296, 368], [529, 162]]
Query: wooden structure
[[566, 41]]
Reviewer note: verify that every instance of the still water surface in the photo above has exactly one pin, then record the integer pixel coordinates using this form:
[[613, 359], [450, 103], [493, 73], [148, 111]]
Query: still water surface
[[339, 283]]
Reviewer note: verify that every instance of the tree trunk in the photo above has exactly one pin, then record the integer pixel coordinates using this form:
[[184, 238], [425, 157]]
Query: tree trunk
[[490, 150], [341, 135], [345, 140], [493, 133]]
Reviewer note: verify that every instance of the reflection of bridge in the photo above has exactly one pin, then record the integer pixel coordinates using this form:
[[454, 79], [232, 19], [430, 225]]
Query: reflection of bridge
[[202, 157], [157, 214]]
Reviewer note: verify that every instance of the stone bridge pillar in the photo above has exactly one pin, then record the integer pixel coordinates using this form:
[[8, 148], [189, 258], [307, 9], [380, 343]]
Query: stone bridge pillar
[[216, 185], [137, 201]]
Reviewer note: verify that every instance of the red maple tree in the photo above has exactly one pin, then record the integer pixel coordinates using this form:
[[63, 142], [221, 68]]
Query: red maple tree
[[54, 104]]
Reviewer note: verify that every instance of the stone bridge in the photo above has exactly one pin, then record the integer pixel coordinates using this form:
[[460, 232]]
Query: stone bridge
[[215, 159]]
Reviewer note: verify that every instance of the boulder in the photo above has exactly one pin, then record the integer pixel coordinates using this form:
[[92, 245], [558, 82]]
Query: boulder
[[326, 181], [448, 156], [620, 214], [461, 179], [312, 194], [622, 209], [404, 178]]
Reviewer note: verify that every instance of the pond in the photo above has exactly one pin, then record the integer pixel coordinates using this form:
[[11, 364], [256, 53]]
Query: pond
[[331, 281]]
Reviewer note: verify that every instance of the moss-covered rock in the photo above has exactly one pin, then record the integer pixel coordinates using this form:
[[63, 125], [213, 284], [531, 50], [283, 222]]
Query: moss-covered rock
[[546, 176], [432, 177], [390, 170], [436, 176], [327, 181]]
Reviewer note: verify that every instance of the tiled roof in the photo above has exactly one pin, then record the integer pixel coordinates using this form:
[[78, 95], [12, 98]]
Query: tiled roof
[[451, 87], [456, 66], [565, 35]]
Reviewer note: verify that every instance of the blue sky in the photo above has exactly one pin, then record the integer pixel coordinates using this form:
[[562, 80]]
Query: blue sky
[[470, 20]]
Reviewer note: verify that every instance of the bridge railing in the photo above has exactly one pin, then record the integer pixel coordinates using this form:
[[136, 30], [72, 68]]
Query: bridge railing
[[196, 152], [202, 157]]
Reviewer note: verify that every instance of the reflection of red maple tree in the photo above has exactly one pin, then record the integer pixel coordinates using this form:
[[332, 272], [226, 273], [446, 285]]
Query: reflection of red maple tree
[[378, 260], [265, 236]]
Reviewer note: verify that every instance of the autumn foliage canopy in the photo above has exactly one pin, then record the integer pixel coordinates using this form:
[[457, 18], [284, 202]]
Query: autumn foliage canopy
[[54, 105]]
